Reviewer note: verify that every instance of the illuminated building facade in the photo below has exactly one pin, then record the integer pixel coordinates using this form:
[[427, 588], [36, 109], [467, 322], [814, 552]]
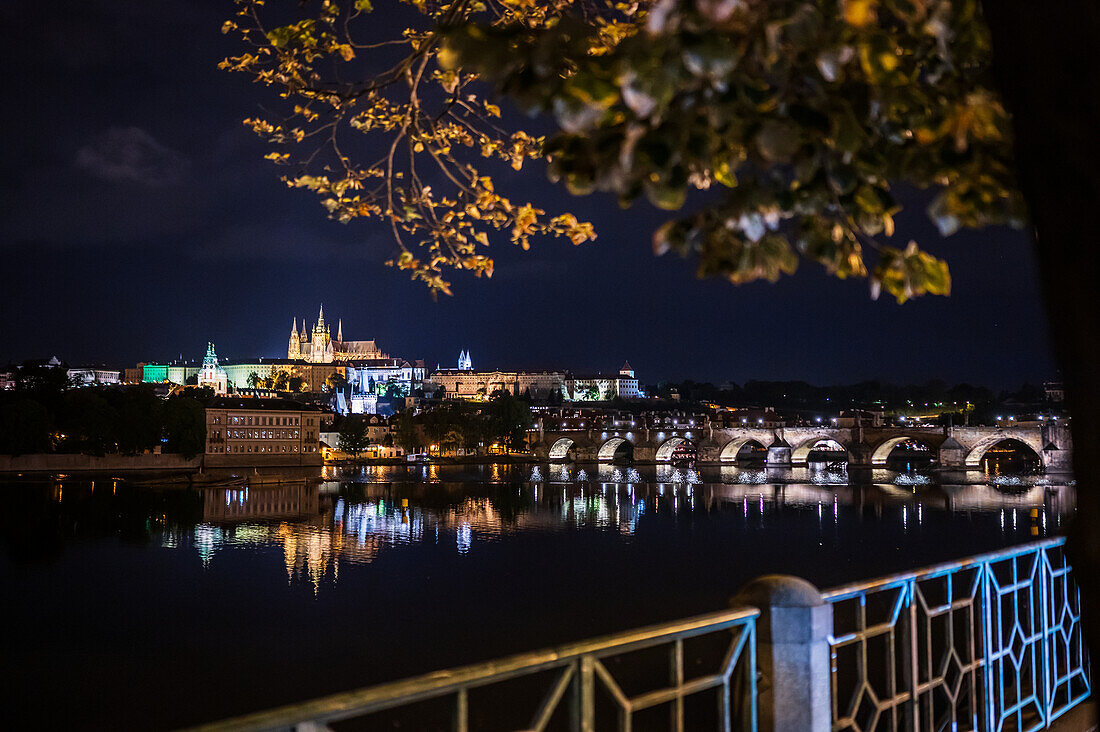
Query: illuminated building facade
[[388, 377], [600, 387], [211, 375], [316, 345], [465, 382], [93, 376], [470, 384], [160, 373], [248, 429]]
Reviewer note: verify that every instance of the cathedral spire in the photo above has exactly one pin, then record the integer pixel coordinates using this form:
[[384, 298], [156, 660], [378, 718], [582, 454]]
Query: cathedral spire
[[294, 328], [321, 317], [340, 329]]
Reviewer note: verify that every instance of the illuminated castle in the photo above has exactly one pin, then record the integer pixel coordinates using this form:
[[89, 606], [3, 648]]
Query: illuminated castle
[[316, 344]]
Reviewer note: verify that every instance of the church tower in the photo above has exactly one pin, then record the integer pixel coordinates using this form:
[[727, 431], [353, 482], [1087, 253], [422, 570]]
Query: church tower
[[211, 374], [465, 363], [321, 349], [294, 350]]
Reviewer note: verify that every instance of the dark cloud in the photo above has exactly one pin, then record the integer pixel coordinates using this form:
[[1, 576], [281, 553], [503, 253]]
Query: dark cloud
[[132, 155], [286, 242]]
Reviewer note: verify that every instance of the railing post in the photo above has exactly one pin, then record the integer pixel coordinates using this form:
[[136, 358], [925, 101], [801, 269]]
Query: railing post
[[989, 697], [1044, 623], [794, 694], [910, 639], [583, 716]]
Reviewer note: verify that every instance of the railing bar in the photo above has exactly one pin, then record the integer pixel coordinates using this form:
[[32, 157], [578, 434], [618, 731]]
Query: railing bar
[[724, 711], [854, 589], [587, 694], [676, 677], [660, 696], [462, 711], [440, 683], [612, 686], [552, 699], [752, 676], [914, 669], [737, 646]]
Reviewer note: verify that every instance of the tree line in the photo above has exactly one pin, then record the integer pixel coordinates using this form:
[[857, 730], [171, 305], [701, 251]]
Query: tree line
[[980, 402], [43, 414]]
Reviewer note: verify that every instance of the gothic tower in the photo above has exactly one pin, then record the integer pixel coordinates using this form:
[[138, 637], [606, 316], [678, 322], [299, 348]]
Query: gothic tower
[[294, 350], [321, 349]]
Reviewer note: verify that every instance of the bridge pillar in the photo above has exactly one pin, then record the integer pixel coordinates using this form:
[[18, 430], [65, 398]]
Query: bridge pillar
[[860, 455], [1057, 454], [793, 690], [952, 454], [779, 454]]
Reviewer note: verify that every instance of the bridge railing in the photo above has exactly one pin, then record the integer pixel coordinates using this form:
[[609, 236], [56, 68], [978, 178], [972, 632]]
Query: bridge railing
[[992, 642], [599, 677]]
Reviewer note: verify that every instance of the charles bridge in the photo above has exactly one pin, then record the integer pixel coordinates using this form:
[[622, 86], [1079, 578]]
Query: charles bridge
[[957, 448]]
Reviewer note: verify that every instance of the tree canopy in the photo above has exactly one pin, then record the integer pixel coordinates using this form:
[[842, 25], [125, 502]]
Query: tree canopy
[[793, 121], [354, 436]]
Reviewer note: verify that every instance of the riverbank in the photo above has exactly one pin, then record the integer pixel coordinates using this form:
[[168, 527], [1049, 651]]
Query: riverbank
[[511, 459], [151, 463]]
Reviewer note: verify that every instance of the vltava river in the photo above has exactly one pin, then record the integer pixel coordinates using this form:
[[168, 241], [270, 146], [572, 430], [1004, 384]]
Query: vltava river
[[156, 608]]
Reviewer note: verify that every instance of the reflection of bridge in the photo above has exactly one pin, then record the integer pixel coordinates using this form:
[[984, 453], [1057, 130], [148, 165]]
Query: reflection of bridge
[[952, 447]]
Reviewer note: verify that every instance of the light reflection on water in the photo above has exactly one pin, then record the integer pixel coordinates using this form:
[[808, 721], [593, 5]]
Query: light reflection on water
[[359, 514], [398, 570]]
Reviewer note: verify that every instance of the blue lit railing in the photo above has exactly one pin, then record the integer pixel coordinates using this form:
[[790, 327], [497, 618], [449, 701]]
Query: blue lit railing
[[992, 642], [599, 677]]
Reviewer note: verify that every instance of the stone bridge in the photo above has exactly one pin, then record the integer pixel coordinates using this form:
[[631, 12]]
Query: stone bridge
[[952, 447]]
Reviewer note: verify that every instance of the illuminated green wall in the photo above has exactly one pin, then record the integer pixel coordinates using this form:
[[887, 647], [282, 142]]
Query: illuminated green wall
[[155, 373]]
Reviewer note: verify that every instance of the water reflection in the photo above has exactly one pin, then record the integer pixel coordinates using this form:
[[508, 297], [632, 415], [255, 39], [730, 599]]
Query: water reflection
[[397, 570], [380, 510], [354, 516]]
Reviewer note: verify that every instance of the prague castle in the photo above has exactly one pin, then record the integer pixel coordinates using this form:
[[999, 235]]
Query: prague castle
[[316, 345]]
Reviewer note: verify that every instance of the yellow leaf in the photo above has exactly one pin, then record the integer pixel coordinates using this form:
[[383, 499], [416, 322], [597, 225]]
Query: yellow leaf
[[859, 13]]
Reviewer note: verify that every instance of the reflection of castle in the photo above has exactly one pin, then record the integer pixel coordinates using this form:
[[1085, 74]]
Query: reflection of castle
[[316, 345]]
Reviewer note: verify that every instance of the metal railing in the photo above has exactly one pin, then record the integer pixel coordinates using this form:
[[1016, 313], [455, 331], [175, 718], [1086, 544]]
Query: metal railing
[[992, 642], [581, 669]]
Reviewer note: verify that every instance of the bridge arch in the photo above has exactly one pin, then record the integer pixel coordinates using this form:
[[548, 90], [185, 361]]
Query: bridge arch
[[668, 447], [801, 455], [615, 447], [883, 450], [974, 457], [560, 449], [730, 452]]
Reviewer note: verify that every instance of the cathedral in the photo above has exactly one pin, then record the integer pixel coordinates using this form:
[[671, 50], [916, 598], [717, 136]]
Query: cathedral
[[316, 344]]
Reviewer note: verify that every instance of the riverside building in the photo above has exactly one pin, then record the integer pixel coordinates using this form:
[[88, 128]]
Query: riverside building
[[272, 432]]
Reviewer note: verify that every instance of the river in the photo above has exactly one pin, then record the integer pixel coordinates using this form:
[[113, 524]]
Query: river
[[155, 608]]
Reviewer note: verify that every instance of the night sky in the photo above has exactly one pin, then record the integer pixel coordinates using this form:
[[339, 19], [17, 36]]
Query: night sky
[[140, 221]]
